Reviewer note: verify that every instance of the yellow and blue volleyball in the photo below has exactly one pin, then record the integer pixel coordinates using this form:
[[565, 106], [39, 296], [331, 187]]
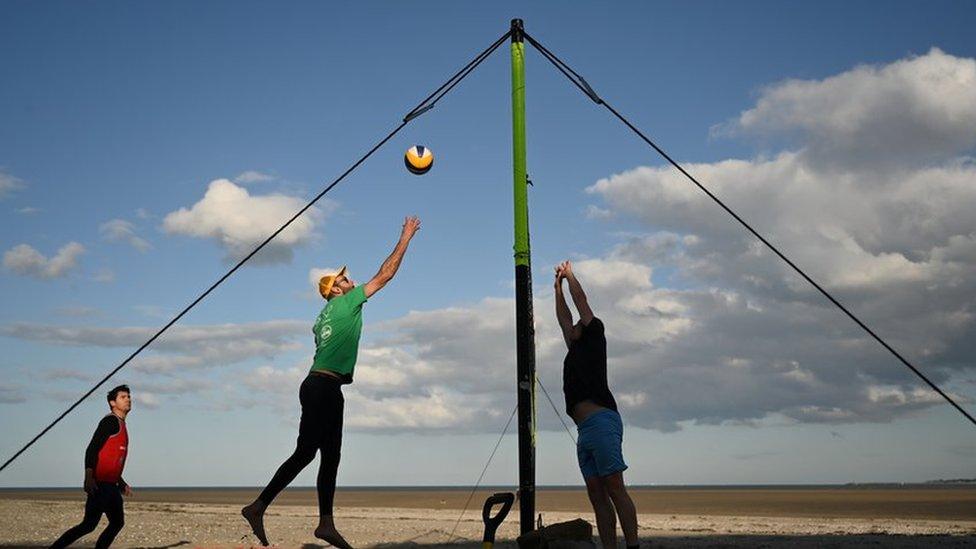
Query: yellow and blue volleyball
[[418, 159]]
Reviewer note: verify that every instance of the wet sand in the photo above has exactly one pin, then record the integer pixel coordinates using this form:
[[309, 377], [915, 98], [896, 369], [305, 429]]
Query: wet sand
[[682, 517]]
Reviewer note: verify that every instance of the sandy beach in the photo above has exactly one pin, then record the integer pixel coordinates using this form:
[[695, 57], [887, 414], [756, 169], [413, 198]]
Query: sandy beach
[[724, 517]]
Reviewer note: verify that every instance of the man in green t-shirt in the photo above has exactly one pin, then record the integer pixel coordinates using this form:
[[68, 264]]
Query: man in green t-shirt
[[336, 331]]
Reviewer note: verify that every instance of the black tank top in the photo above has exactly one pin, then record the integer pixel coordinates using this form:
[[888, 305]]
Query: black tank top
[[585, 369]]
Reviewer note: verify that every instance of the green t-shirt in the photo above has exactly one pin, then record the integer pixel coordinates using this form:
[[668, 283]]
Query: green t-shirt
[[337, 332]]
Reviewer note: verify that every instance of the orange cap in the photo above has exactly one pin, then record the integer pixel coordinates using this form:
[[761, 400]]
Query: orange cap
[[326, 282]]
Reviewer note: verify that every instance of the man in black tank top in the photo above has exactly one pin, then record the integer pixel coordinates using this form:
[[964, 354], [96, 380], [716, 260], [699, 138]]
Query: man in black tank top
[[592, 406]]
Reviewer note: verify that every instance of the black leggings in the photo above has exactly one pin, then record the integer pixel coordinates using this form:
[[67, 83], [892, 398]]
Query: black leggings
[[320, 430], [107, 499]]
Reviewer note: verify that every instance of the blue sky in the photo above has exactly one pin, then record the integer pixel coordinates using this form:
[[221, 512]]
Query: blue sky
[[840, 130]]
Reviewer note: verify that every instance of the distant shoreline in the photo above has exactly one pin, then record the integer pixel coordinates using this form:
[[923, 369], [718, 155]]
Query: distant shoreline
[[907, 501]]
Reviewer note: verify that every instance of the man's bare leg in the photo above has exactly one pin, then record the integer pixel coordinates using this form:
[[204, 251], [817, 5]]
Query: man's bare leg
[[606, 520], [254, 515], [327, 532], [625, 507]]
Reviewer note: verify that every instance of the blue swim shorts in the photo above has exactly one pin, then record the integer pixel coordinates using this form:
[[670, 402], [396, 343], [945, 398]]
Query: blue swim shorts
[[598, 447]]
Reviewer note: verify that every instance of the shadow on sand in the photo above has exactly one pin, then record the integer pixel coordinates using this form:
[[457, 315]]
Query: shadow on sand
[[733, 541], [36, 545], [713, 541]]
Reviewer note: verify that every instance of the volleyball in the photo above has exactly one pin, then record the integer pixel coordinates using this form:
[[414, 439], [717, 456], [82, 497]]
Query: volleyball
[[418, 159]]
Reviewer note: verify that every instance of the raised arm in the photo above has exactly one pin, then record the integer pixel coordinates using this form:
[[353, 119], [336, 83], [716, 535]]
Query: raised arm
[[389, 268], [579, 296], [563, 315]]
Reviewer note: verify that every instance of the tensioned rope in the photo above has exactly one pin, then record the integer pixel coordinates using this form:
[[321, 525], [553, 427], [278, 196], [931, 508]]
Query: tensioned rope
[[424, 106], [583, 86], [500, 437], [482, 475], [554, 409]]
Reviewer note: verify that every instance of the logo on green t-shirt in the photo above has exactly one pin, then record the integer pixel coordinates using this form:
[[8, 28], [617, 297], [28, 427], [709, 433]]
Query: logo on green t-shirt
[[337, 331]]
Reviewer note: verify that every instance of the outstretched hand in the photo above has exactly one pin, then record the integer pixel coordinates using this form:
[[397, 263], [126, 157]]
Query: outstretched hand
[[411, 224], [565, 269], [558, 283]]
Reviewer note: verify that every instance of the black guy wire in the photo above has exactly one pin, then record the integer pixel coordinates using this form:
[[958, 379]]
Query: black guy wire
[[430, 100], [554, 409], [576, 79], [424, 106], [585, 88], [483, 471]]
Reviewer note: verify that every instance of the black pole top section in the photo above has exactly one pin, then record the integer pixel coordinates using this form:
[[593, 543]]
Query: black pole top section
[[518, 31]]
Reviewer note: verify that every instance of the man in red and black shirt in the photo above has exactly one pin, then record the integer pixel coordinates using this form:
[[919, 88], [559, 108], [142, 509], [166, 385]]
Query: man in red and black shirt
[[104, 461]]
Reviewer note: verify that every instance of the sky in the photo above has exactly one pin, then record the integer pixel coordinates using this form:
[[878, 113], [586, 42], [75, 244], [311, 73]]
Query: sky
[[144, 148]]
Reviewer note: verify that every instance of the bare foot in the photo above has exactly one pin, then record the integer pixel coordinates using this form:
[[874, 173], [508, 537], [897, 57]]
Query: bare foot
[[332, 537], [254, 515]]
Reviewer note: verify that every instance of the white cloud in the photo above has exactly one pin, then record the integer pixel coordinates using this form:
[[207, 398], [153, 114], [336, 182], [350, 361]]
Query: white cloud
[[595, 212], [173, 387], [148, 400], [266, 379], [152, 311], [611, 274], [437, 409], [27, 261], [181, 347], [847, 233], [77, 311], [121, 230], [239, 221], [886, 227], [276, 388], [9, 183], [252, 176], [28, 210], [918, 109], [66, 373], [896, 396], [104, 276], [11, 394]]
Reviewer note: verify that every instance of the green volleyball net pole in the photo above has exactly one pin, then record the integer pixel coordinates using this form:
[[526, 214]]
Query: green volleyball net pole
[[524, 328]]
